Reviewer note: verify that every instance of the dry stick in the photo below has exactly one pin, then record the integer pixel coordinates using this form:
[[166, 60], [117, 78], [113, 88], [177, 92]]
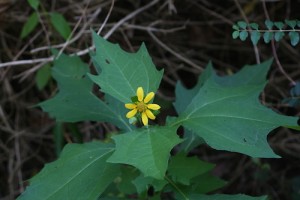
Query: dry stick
[[74, 39], [274, 49], [246, 19], [107, 17], [172, 51], [85, 51]]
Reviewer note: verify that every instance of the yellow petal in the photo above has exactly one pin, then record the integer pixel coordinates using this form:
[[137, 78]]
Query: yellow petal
[[149, 97], [153, 106], [131, 113], [140, 93], [150, 114], [130, 105], [144, 119]]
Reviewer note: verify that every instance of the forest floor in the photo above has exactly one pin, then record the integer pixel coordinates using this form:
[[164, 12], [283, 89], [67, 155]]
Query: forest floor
[[182, 36]]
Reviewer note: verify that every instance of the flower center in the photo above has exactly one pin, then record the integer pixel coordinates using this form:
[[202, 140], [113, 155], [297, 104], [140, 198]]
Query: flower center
[[141, 106]]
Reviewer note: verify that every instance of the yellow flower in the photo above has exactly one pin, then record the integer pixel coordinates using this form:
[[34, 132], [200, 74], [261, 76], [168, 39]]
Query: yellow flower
[[142, 106]]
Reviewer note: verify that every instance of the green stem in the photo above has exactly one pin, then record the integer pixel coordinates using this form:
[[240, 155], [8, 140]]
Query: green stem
[[176, 188]]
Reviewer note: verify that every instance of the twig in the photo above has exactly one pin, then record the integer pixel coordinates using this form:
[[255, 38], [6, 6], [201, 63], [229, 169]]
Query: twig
[[187, 61], [256, 52], [274, 50], [85, 51]]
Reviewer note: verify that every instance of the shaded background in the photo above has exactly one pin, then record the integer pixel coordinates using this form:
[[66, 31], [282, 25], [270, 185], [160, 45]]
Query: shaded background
[[182, 36]]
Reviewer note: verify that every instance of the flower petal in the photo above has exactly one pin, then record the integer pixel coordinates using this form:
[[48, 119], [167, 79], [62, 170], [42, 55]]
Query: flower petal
[[153, 106], [131, 113], [144, 119], [130, 106], [150, 114], [140, 93], [149, 96]]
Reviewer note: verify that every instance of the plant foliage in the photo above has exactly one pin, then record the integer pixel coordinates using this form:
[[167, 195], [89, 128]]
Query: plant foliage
[[274, 30], [225, 112]]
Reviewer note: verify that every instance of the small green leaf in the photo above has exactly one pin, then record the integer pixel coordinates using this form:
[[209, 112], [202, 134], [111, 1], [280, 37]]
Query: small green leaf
[[243, 35], [60, 24], [121, 73], [81, 172], [279, 25], [255, 36], [43, 76], [235, 27], [34, 4], [235, 34], [128, 175], [242, 24], [30, 24], [278, 36], [291, 23], [146, 149], [294, 37], [182, 168], [268, 36], [269, 24], [254, 26]]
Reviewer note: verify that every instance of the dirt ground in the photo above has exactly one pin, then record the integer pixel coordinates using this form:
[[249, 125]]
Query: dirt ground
[[182, 36]]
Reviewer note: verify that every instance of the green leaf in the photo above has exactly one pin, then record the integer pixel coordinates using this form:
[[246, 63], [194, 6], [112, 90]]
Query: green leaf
[[291, 23], [269, 24], [34, 4], [146, 149], [235, 34], [278, 36], [294, 37], [121, 73], [279, 25], [229, 116], [80, 173], [255, 36], [206, 183], [182, 168], [235, 27], [43, 76], [75, 101], [142, 184], [128, 175], [243, 35], [242, 24], [254, 26], [60, 24], [224, 197], [30, 24], [268, 36]]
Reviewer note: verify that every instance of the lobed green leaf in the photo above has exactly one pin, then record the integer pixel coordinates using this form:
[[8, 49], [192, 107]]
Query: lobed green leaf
[[75, 101], [121, 73], [291, 23], [278, 36], [279, 25], [80, 173], [146, 149], [243, 35], [227, 114], [235, 34], [242, 24], [268, 36]]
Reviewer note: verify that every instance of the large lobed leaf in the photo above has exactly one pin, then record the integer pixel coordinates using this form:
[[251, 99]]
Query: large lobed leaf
[[80, 173], [227, 114], [121, 73], [146, 149], [75, 100]]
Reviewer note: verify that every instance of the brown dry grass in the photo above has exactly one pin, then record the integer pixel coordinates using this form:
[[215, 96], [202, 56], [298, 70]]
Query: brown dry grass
[[182, 36]]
